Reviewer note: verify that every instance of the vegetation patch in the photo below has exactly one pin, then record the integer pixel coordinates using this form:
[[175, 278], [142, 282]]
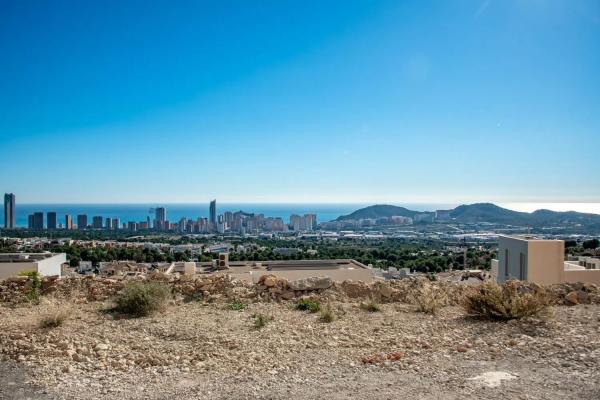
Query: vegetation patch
[[236, 305], [55, 318], [504, 302], [260, 320], [370, 306], [140, 299], [312, 306], [35, 285], [327, 315], [428, 299]]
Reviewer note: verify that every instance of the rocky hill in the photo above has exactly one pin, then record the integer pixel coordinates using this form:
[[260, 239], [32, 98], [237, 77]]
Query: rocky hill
[[486, 212]]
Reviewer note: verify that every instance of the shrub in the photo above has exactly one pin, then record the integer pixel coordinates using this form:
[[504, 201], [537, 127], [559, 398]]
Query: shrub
[[308, 305], [36, 284], [260, 320], [236, 305], [370, 306], [428, 299], [140, 299], [327, 314], [507, 301], [55, 318]]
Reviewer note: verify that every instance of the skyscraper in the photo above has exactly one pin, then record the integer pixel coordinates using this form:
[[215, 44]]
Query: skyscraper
[[212, 217], [38, 220], [160, 218], [97, 222], [108, 224], [9, 211], [68, 222], [82, 221], [51, 220]]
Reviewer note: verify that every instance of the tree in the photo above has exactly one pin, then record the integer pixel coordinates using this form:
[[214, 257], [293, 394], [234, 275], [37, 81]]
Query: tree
[[591, 244]]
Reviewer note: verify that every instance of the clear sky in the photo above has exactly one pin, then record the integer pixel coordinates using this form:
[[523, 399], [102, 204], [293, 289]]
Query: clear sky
[[302, 101]]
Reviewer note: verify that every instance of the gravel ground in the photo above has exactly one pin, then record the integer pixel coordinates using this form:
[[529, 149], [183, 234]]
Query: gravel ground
[[204, 351]]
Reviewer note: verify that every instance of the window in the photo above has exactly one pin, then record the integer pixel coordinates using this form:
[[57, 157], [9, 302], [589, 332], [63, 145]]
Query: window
[[506, 274], [522, 266]]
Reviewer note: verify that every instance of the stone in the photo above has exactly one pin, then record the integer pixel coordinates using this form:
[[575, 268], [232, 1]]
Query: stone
[[311, 283], [287, 295], [571, 298], [270, 281], [386, 291]]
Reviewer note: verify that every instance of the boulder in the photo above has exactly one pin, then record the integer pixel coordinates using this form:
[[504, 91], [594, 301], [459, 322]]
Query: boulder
[[311, 283], [571, 298]]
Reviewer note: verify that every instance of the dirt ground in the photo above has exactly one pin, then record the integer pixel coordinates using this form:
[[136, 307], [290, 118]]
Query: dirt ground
[[205, 351]]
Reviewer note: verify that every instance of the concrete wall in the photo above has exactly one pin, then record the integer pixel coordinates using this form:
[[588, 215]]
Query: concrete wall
[[52, 266], [494, 271], [546, 261], [8, 270], [46, 267], [585, 275], [337, 275], [516, 250]]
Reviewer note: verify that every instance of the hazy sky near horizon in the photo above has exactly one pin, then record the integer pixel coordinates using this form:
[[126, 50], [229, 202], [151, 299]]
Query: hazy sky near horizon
[[300, 101]]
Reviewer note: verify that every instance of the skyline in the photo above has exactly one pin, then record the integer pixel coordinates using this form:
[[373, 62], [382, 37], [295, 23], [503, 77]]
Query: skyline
[[312, 102]]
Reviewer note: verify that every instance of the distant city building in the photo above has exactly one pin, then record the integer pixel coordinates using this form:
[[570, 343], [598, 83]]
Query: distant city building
[[97, 222], [423, 217], [295, 222], [38, 220], [82, 221], [51, 220], [160, 221], [132, 226], [116, 223], [108, 223], [212, 213], [442, 215], [68, 222], [9, 211], [30, 221]]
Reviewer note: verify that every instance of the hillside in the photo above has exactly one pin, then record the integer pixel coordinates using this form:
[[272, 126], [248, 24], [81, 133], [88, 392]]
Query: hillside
[[379, 211], [485, 212]]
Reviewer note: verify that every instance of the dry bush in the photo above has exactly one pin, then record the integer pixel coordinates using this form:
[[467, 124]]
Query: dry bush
[[55, 317], [327, 314], [511, 300], [370, 306], [428, 299], [139, 299]]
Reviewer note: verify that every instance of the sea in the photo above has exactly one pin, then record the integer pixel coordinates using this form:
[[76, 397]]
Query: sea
[[324, 212], [139, 212]]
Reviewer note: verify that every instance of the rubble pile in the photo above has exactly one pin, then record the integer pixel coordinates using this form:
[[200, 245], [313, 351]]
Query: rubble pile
[[221, 287]]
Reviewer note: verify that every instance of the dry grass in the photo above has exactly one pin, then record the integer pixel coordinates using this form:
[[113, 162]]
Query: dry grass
[[505, 302], [327, 314], [428, 299], [370, 306], [139, 299], [55, 318]]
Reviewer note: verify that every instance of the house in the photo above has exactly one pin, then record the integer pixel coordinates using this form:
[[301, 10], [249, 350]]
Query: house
[[541, 261], [46, 264]]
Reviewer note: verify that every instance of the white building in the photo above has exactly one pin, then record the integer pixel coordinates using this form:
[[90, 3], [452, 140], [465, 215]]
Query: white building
[[46, 264]]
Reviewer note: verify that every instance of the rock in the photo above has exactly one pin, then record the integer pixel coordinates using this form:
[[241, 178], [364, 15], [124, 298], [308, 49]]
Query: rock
[[386, 291], [312, 283], [571, 298], [287, 295], [270, 281], [101, 347]]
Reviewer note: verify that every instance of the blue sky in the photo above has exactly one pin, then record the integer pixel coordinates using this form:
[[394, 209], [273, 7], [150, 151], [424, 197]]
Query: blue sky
[[302, 101]]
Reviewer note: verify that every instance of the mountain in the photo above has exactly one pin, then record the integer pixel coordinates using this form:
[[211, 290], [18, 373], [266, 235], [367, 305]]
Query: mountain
[[485, 212], [379, 211]]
